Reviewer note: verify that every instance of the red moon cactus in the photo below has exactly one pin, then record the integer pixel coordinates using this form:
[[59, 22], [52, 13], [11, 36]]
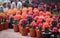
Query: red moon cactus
[[40, 25], [33, 24], [55, 29], [5, 16], [54, 18], [30, 13], [39, 21]]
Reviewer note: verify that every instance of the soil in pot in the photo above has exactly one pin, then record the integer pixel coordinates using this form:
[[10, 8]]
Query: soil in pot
[[32, 33], [24, 31], [16, 28]]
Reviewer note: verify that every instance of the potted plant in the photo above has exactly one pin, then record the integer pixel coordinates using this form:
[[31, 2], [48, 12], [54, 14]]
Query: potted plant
[[46, 30], [1, 25], [23, 27], [54, 22], [32, 29], [16, 20], [55, 31], [10, 20], [38, 31], [5, 21], [46, 27]]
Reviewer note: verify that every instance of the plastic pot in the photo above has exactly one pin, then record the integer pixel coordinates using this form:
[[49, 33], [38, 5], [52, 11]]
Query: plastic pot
[[32, 32], [46, 35], [38, 33], [24, 31], [16, 28]]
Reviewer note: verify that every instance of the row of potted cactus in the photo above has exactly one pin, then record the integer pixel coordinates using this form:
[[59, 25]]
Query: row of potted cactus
[[31, 21]]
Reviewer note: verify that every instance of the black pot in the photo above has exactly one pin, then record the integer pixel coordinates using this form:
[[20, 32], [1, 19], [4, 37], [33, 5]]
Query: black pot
[[46, 35]]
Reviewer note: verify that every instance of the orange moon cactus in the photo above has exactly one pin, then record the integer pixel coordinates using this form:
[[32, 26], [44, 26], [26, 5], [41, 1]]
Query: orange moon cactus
[[46, 25], [24, 10], [36, 11], [48, 20], [14, 11], [41, 13], [9, 12], [17, 17], [48, 13], [46, 17], [2, 14], [30, 9]]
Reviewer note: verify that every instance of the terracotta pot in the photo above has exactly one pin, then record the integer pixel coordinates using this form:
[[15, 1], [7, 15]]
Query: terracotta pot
[[1, 26], [38, 33], [16, 28], [24, 31], [27, 29], [32, 33], [6, 25], [20, 29]]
